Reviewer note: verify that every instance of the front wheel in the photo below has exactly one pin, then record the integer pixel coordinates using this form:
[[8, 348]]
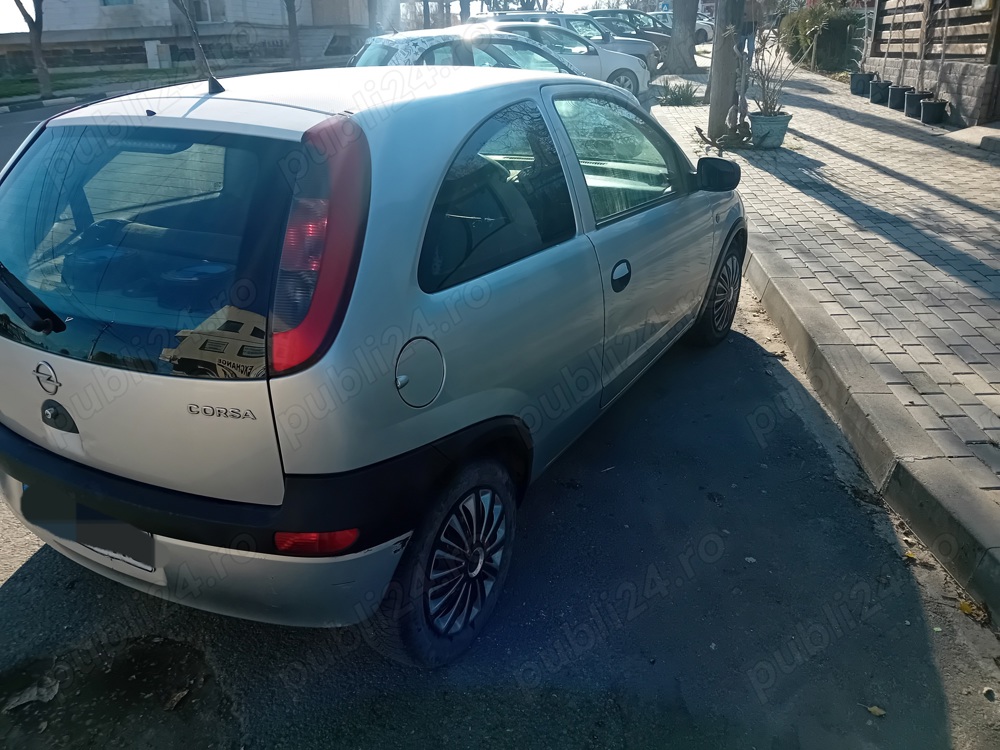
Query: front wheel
[[723, 297], [625, 79], [453, 569], [701, 36]]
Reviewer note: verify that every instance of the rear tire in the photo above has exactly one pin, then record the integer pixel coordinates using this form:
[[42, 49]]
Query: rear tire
[[625, 79], [701, 36], [453, 570], [721, 300]]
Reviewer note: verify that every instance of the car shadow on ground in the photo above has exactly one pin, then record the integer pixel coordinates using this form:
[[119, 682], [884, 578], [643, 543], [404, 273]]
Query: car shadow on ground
[[692, 572]]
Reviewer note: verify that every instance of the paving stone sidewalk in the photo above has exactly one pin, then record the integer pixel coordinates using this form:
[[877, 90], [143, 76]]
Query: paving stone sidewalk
[[896, 232]]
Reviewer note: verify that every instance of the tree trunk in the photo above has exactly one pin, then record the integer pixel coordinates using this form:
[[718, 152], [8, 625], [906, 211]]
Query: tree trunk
[[36, 25], [680, 53], [294, 51], [41, 69], [729, 21], [372, 15], [464, 9]]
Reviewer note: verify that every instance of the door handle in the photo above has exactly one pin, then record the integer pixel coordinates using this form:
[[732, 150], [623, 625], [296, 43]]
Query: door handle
[[621, 275]]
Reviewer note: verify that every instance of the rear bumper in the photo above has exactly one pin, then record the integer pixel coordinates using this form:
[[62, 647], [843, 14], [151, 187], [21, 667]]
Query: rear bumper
[[219, 555], [301, 591]]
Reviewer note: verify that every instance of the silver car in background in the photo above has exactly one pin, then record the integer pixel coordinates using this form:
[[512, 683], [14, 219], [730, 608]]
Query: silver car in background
[[589, 28], [477, 46], [620, 70], [292, 348]]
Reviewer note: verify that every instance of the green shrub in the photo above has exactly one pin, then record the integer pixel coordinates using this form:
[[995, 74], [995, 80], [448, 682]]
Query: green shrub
[[833, 47], [680, 95], [788, 33]]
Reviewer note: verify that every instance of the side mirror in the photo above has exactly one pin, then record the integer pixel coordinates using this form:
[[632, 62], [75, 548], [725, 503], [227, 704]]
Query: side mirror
[[606, 36], [718, 175]]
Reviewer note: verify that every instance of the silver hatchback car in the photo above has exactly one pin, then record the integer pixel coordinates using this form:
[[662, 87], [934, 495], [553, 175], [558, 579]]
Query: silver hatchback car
[[293, 351]]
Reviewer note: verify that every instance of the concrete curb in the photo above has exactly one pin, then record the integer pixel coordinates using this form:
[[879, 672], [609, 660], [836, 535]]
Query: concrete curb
[[40, 103], [959, 522]]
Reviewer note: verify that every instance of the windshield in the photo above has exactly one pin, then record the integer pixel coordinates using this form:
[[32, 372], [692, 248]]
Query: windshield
[[155, 247]]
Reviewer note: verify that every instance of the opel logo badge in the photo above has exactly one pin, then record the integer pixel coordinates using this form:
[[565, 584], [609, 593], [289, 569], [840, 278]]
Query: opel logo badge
[[47, 379]]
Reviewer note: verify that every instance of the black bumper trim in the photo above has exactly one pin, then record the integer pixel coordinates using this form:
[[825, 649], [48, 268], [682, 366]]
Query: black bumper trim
[[384, 500]]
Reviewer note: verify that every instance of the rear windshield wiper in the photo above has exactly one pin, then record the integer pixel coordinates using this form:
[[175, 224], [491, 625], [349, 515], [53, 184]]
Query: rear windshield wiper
[[27, 305]]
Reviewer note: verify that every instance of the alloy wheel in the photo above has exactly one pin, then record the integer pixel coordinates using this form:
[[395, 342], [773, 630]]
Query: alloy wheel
[[727, 294], [465, 561], [624, 82]]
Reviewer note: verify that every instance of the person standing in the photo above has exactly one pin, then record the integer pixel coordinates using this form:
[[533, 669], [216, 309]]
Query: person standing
[[753, 13]]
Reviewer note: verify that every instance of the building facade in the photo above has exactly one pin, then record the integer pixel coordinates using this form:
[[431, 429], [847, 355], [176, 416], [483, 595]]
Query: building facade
[[98, 33]]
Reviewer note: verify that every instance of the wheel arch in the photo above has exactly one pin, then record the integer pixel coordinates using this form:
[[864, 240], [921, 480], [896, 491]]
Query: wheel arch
[[506, 439], [737, 233]]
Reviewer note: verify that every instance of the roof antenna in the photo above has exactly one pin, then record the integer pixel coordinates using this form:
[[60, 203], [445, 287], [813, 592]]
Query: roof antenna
[[214, 87]]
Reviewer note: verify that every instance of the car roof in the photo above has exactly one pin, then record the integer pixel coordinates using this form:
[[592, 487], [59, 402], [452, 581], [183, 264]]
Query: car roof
[[285, 105], [452, 32]]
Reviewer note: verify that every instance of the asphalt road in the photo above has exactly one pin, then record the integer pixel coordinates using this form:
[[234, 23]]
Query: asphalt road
[[16, 126], [703, 569]]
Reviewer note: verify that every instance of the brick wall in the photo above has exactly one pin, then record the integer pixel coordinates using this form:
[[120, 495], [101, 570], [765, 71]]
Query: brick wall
[[969, 86]]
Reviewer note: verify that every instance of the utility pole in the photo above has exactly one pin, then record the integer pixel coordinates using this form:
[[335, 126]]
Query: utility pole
[[722, 97]]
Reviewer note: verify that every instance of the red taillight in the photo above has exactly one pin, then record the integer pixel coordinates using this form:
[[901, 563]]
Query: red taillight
[[305, 235], [322, 247], [310, 543]]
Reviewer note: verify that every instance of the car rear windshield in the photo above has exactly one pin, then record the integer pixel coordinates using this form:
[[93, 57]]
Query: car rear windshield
[[155, 247]]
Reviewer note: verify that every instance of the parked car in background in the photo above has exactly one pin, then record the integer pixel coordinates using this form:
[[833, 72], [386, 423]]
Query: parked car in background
[[640, 19], [622, 24], [587, 27], [431, 268], [704, 31], [621, 70], [460, 45]]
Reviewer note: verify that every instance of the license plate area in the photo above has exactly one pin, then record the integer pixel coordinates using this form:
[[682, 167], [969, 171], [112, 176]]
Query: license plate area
[[100, 533], [114, 539]]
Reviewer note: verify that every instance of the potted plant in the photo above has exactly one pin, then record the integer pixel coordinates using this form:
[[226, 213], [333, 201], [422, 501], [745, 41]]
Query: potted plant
[[861, 80], [878, 91], [772, 68], [933, 111], [897, 91], [911, 107]]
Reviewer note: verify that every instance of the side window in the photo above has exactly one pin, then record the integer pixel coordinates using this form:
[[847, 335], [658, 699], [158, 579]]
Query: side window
[[586, 29], [510, 54], [563, 43], [504, 198], [626, 162], [443, 54]]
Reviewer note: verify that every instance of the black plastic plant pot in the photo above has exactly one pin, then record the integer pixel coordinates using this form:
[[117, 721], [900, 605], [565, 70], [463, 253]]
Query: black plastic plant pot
[[860, 83], [879, 92], [897, 96], [913, 99], [932, 111]]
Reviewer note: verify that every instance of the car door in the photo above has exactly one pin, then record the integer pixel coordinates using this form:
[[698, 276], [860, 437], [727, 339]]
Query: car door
[[652, 230]]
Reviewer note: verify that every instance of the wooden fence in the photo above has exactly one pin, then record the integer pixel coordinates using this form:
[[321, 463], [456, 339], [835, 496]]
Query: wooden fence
[[918, 28]]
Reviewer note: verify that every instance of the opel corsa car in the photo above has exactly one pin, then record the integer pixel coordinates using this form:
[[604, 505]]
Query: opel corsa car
[[264, 356]]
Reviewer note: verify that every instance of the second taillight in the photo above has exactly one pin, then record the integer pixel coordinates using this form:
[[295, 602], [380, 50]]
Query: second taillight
[[322, 245]]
